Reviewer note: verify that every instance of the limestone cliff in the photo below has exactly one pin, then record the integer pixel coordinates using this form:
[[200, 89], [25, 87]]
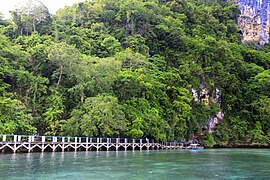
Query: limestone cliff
[[205, 96], [254, 20]]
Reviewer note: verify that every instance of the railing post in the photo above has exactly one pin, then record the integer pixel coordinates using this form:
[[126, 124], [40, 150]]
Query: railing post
[[19, 138], [15, 138], [4, 138], [43, 139]]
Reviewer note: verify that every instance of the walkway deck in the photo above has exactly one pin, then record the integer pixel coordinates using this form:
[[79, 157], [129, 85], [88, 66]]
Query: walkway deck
[[21, 143]]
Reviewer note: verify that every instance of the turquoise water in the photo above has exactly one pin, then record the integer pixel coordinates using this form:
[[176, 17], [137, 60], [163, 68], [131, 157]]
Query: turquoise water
[[161, 164]]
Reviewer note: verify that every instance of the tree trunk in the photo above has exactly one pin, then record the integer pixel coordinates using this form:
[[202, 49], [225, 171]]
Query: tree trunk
[[60, 76]]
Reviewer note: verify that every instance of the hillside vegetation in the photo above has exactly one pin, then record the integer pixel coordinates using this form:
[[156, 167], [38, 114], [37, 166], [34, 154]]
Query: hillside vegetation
[[125, 68]]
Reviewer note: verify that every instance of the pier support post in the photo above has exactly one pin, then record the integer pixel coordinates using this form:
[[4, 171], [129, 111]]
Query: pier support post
[[15, 143], [141, 144], [133, 144], [29, 143], [63, 144], [97, 146], [117, 144], [76, 143], [68, 141], [125, 144], [108, 145], [43, 142], [54, 141], [4, 140], [86, 147], [80, 141]]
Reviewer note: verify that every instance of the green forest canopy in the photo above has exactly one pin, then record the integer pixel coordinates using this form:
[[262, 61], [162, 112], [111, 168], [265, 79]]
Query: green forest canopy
[[125, 68]]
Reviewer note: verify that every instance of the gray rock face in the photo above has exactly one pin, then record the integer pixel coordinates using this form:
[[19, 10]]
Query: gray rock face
[[254, 20], [205, 96]]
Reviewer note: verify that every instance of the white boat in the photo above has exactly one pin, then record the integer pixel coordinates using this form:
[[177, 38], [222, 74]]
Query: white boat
[[196, 147]]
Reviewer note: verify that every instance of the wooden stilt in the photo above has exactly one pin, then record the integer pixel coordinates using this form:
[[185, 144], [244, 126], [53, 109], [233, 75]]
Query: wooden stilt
[[86, 147], [125, 145], [75, 143], [29, 143], [15, 142], [108, 144], [117, 144], [133, 144], [63, 144]]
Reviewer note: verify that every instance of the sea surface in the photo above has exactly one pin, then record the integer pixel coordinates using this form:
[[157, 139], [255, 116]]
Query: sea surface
[[156, 164]]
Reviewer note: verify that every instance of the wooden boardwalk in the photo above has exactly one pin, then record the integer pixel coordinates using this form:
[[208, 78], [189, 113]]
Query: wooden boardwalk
[[22, 143]]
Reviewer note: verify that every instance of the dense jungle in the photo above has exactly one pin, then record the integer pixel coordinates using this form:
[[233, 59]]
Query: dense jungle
[[133, 68]]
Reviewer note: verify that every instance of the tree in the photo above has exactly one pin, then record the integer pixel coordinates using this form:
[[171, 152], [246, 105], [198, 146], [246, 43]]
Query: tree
[[100, 116], [65, 57], [31, 16], [15, 118], [209, 141], [95, 76]]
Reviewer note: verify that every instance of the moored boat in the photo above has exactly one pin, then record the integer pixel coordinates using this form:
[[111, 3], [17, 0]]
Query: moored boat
[[195, 147]]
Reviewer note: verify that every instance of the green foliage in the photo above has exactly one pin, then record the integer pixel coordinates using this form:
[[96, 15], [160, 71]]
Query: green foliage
[[32, 16], [65, 58], [209, 141], [126, 68], [100, 116], [146, 120], [15, 118]]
